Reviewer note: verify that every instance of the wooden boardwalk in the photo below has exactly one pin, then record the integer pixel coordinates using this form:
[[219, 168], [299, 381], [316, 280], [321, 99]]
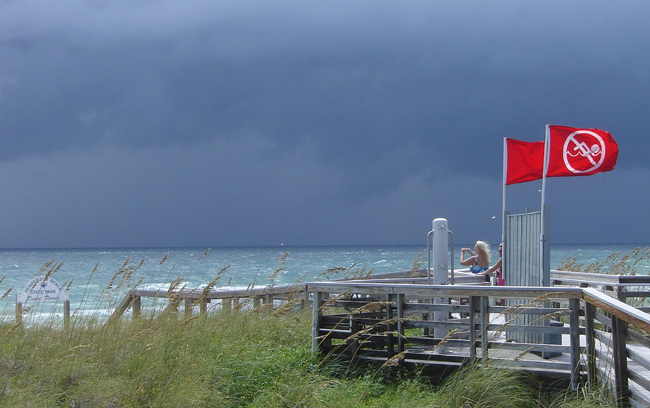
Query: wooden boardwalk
[[578, 332], [597, 339]]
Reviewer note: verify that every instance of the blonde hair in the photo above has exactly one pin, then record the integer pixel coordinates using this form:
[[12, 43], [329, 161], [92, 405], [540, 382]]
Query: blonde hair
[[484, 248]]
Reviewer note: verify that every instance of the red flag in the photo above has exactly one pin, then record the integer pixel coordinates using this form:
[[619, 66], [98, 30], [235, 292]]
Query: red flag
[[525, 161], [580, 152]]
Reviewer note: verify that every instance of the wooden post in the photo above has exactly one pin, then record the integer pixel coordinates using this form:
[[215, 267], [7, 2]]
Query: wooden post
[[473, 303], [590, 334], [317, 318], [174, 301], [390, 346], [354, 329], [619, 328], [484, 328], [66, 314], [574, 330], [256, 301], [226, 305], [426, 317], [188, 307], [137, 307], [304, 301], [400, 324], [19, 313], [203, 307], [620, 293]]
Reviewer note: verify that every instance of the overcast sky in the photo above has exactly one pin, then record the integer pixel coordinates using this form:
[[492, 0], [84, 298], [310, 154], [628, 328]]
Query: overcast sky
[[211, 123]]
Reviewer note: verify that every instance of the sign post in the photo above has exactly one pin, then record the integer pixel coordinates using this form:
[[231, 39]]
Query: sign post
[[43, 289]]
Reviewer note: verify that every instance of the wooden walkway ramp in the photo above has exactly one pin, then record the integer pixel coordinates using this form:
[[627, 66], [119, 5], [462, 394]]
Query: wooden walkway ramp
[[589, 337]]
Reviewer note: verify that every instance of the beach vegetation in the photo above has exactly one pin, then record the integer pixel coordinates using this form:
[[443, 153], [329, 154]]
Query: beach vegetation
[[243, 357], [636, 262]]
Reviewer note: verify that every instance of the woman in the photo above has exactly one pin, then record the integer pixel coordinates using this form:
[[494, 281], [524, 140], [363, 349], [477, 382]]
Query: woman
[[497, 267], [478, 262]]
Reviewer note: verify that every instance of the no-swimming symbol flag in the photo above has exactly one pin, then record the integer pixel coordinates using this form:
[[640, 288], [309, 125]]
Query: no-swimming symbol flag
[[579, 152], [524, 161], [570, 152]]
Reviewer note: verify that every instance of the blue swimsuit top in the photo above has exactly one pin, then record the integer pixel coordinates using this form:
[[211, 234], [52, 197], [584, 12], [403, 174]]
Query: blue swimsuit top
[[478, 269]]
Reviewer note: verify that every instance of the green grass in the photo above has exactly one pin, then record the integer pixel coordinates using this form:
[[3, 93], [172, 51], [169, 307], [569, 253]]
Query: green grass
[[246, 359]]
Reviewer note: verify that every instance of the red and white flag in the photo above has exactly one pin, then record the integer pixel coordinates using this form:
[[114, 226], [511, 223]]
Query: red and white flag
[[579, 152], [571, 152], [524, 161]]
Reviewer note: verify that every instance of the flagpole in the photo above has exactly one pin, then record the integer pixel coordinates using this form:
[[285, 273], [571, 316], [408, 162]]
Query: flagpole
[[546, 148], [503, 200], [542, 237]]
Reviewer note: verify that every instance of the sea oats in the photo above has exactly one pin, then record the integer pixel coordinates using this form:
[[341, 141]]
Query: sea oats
[[6, 294], [203, 254]]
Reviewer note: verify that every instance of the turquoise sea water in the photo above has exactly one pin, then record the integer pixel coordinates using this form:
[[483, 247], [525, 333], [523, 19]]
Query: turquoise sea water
[[88, 272]]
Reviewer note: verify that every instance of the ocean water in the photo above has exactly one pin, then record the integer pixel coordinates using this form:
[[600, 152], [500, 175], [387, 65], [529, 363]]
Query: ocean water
[[88, 273]]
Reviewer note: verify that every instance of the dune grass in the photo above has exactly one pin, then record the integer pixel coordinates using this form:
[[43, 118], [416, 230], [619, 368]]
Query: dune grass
[[246, 359], [636, 262]]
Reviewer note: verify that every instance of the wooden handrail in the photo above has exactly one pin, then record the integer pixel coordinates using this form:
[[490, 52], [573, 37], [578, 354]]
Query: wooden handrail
[[218, 294], [617, 308], [370, 288]]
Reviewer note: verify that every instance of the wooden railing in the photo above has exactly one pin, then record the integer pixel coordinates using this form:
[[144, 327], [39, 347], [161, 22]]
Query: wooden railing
[[271, 296], [600, 339], [631, 289], [228, 299]]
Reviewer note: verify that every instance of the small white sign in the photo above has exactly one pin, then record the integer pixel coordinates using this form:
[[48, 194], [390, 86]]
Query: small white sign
[[41, 290]]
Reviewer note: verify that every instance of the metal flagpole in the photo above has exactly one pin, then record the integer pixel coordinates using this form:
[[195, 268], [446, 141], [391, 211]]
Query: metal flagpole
[[503, 200], [542, 227]]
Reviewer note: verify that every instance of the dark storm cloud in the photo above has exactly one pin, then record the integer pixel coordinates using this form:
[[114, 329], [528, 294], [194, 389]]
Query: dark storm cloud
[[371, 100]]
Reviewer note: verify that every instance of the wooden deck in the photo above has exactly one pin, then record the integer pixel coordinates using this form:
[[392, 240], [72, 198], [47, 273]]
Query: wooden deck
[[598, 339]]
